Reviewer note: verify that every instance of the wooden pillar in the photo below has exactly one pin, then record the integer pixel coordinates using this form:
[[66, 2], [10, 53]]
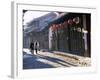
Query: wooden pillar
[[50, 38], [85, 36]]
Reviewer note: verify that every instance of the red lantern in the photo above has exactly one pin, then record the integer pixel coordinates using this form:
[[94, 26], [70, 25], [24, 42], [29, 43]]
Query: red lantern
[[65, 23], [57, 26], [54, 27], [76, 20], [70, 21], [61, 26]]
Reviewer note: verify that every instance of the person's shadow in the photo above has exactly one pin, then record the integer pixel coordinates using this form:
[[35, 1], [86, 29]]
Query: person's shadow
[[31, 61]]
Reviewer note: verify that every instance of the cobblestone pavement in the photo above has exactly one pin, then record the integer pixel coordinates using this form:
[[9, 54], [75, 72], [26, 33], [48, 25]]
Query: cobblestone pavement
[[52, 60]]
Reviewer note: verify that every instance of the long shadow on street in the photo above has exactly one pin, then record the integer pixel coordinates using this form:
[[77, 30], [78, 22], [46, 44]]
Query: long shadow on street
[[31, 61]]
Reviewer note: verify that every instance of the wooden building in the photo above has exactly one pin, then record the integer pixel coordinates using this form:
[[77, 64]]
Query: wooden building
[[71, 33]]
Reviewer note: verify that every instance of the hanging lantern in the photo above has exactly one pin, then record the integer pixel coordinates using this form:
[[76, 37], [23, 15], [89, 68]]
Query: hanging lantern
[[76, 20], [54, 27], [65, 23], [57, 26], [70, 21], [61, 25]]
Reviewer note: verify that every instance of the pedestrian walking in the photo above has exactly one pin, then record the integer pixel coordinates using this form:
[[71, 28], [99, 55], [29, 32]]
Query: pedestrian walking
[[36, 46], [32, 47]]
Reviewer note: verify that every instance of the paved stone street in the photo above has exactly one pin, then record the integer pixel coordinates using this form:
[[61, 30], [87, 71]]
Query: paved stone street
[[52, 60]]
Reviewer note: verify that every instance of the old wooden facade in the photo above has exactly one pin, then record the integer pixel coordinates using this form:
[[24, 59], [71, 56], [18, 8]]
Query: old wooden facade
[[71, 33]]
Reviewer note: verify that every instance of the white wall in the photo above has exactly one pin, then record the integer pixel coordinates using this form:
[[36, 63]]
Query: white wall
[[5, 37]]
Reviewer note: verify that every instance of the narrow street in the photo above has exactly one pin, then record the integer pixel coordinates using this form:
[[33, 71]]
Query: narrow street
[[52, 60], [64, 39]]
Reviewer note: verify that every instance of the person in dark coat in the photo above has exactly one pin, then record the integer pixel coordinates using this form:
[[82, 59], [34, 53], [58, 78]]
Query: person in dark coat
[[36, 47], [32, 47]]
